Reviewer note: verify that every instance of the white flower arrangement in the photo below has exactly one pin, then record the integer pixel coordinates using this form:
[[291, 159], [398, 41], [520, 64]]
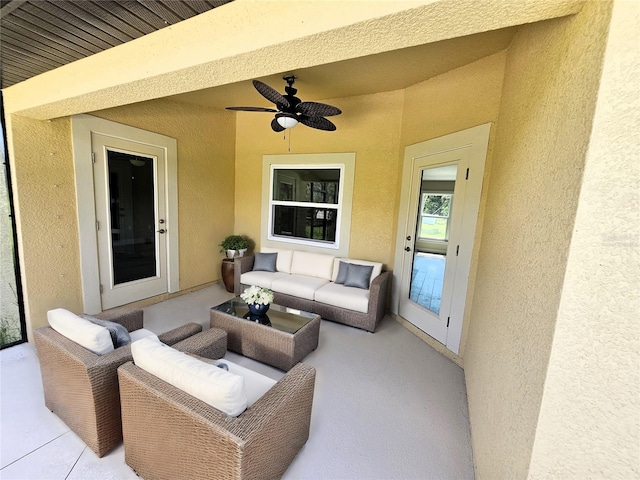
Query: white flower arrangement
[[259, 295]]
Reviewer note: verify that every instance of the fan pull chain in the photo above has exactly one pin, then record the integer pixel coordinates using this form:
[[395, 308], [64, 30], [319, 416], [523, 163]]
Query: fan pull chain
[[284, 137]]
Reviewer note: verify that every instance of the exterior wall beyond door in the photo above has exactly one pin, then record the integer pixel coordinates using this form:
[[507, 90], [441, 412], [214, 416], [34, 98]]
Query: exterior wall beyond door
[[550, 88], [44, 188], [589, 423]]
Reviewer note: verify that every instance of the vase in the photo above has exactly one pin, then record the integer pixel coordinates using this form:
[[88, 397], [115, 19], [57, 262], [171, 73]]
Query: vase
[[257, 308], [241, 252], [231, 253], [227, 271]]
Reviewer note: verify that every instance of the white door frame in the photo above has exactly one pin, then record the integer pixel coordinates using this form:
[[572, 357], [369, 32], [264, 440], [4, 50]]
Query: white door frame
[[477, 138], [81, 127]]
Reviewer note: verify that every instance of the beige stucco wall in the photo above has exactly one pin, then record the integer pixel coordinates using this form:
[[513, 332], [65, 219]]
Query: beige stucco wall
[[205, 138], [589, 425], [44, 191], [370, 127], [549, 92], [457, 100]]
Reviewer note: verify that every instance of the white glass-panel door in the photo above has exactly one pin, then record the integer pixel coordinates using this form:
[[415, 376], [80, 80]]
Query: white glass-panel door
[[129, 188], [431, 241]]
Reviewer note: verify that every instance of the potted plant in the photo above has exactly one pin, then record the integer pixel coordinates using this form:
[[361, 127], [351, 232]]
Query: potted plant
[[233, 244]]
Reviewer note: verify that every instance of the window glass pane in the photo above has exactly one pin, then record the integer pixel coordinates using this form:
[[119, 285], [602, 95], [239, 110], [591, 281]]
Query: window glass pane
[[132, 197], [305, 222], [306, 185]]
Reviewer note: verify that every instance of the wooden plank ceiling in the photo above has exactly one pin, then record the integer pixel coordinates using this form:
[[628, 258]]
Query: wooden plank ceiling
[[40, 35]]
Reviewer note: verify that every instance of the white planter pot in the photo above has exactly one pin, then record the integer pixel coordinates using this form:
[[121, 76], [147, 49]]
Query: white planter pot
[[231, 253], [242, 252]]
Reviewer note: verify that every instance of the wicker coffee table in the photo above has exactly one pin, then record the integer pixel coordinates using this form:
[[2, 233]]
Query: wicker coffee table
[[281, 338]]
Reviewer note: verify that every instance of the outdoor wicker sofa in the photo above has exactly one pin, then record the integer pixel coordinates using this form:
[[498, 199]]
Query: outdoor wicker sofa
[[330, 300], [81, 387], [193, 440]]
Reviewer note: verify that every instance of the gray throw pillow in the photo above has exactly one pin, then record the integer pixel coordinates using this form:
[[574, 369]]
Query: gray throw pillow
[[265, 262], [358, 276], [119, 334], [342, 272]]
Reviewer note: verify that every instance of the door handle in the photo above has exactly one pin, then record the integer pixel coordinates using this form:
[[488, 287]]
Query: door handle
[[162, 230], [407, 249], [408, 237]]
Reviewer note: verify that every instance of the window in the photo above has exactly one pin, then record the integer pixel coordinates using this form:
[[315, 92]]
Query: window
[[306, 201], [305, 204], [434, 216]]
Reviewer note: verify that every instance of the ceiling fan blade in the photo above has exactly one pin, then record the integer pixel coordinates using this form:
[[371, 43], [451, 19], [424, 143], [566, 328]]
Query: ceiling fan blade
[[275, 126], [270, 94], [252, 109], [316, 109], [320, 123]]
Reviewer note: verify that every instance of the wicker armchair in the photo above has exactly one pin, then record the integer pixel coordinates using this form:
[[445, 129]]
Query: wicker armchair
[[82, 387], [192, 440]]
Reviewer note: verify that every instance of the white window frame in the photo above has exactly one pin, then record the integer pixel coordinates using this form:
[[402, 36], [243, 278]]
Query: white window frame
[[345, 162]]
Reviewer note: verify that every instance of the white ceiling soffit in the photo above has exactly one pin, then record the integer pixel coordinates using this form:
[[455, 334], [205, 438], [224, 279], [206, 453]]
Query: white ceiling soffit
[[192, 55]]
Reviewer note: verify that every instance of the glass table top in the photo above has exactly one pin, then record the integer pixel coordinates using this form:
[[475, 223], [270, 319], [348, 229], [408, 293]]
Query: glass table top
[[281, 318]]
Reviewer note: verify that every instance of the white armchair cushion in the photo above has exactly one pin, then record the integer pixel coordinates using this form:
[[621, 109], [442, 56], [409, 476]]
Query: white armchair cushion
[[298, 285], [142, 333], [338, 295], [81, 331], [255, 383], [217, 387], [260, 278], [312, 264], [377, 267], [283, 262]]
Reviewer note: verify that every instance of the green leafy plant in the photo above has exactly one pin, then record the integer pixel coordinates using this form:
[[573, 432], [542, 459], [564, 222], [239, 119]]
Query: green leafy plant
[[10, 324], [234, 242], [9, 330]]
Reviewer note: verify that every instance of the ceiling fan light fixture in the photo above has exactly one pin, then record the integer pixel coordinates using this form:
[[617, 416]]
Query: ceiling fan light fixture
[[286, 121]]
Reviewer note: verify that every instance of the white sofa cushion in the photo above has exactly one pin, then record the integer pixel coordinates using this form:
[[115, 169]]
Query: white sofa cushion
[[217, 387], [260, 278], [283, 262], [255, 383], [338, 295], [312, 264], [298, 285], [86, 334], [377, 267]]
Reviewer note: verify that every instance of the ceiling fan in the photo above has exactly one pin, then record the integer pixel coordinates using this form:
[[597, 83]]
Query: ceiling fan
[[291, 109]]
